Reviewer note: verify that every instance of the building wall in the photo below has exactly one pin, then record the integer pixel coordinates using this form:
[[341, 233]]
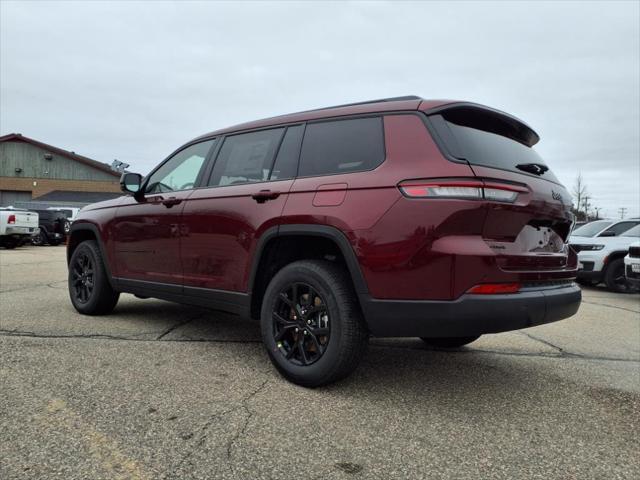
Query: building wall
[[13, 197], [30, 159], [40, 186]]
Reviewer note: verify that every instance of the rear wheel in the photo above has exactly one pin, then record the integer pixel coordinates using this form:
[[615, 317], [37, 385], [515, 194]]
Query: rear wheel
[[10, 243], [311, 323], [449, 342], [614, 277], [38, 239], [89, 287]]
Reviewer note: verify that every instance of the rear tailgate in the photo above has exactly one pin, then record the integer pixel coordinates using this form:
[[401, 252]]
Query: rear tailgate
[[527, 233], [531, 233], [18, 222]]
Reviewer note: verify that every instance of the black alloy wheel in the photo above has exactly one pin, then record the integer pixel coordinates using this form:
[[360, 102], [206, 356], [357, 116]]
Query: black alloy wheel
[[301, 325], [311, 323], [82, 273]]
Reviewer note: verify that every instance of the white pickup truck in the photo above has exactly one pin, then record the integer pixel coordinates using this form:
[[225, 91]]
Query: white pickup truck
[[16, 226]]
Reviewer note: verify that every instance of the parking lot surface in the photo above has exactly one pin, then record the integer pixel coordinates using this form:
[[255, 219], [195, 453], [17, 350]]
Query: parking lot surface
[[158, 390]]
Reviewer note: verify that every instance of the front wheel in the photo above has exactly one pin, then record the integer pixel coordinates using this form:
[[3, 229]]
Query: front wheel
[[89, 287], [449, 342], [614, 277], [311, 323]]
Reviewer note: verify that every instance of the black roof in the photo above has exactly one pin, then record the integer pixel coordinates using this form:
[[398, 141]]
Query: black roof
[[80, 197]]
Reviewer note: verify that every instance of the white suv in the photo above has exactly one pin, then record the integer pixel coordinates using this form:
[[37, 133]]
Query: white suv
[[601, 259]]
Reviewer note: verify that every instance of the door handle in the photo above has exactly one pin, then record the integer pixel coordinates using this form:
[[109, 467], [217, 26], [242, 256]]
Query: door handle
[[171, 201], [264, 195]]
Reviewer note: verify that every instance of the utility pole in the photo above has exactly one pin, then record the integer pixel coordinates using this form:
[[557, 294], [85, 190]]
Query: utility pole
[[622, 211], [586, 207], [597, 209]]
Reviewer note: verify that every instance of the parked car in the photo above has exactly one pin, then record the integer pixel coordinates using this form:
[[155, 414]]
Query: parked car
[[602, 259], [401, 217], [632, 265], [54, 227], [16, 226], [603, 228], [70, 212]]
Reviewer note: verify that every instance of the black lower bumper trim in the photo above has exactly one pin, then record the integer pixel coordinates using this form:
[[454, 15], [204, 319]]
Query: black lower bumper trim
[[590, 276], [470, 314]]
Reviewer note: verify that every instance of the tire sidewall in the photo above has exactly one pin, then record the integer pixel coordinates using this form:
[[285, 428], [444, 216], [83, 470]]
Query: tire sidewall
[[318, 370], [98, 278], [618, 263]]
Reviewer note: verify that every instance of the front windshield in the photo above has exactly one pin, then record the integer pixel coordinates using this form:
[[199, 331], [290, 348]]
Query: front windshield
[[592, 228], [634, 232]]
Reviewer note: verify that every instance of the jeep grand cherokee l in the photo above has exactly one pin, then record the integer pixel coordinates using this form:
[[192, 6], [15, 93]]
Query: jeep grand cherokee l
[[398, 217]]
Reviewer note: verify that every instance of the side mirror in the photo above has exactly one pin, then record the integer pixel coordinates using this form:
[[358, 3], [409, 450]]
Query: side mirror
[[607, 233], [131, 183]]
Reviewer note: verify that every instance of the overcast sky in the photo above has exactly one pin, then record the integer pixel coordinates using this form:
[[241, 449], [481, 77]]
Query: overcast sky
[[133, 81]]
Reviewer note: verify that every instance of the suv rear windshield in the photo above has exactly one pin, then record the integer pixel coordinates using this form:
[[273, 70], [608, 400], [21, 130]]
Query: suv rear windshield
[[487, 139]]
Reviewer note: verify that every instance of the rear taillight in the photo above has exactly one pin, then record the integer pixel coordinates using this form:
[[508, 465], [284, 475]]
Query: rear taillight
[[494, 288], [461, 189], [11, 219]]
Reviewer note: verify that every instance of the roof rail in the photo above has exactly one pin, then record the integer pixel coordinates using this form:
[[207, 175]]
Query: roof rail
[[380, 100]]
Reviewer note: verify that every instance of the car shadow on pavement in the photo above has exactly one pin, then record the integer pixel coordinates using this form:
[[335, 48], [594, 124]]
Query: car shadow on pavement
[[406, 364]]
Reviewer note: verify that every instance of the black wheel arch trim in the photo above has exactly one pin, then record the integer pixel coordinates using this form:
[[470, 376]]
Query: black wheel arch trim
[[76, 227], [324, 231]]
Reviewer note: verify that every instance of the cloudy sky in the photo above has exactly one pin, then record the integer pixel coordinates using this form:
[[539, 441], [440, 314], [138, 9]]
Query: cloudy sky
[[134, 80]]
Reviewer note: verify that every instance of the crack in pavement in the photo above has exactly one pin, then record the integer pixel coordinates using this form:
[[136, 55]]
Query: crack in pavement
[[240, 433], [5, 265], [545, 342], [97, 336], [560, 355], [204, 429], [100, 336], [178, 325], [611, 306], [30, 287]]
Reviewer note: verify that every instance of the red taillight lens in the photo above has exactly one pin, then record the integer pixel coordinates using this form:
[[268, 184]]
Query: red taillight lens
[[11, 219], [494, 288], [472, 189]]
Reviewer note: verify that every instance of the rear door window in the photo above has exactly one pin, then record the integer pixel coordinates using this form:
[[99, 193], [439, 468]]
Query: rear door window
[[342, 146], [246, 158], [619, 228], [486, 139]]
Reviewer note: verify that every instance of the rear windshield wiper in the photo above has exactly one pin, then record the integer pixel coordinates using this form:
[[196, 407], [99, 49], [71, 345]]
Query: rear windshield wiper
[[535, 168]]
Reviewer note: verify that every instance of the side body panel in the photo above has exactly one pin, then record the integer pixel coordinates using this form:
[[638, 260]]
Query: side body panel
[[221, 228], [146, 239]]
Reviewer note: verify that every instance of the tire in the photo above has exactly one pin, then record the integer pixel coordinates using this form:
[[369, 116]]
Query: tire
[[10, 243], [614, 277], [38, 239], [45, 237], [586, 283], [312, 304], [449, 342], [95, 296]]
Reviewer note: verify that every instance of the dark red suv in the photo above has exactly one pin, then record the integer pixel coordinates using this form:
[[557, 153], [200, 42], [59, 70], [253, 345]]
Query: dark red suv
[[397, 217]]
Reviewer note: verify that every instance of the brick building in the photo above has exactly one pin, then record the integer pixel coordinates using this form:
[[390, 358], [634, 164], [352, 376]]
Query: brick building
[[32, 171]]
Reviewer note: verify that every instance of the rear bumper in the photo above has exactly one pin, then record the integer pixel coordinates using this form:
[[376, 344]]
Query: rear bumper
[[20, 230], [470, 314]]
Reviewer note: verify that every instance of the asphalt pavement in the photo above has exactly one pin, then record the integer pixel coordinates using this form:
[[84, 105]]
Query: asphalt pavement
[[158, 391]]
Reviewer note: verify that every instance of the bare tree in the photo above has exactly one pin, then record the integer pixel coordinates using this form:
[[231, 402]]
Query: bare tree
[[580, 193]]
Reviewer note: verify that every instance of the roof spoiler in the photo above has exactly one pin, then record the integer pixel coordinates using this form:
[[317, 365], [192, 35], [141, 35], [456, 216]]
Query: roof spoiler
[[488, 119]]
